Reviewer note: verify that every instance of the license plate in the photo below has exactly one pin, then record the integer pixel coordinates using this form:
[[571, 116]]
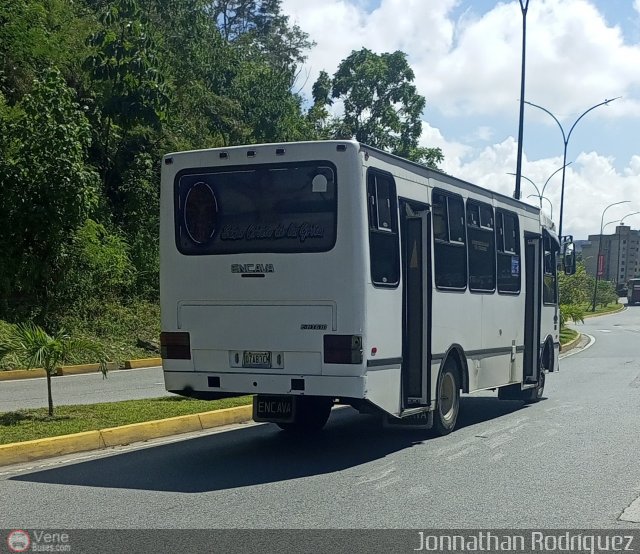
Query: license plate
[[274, 408], [256, 359]]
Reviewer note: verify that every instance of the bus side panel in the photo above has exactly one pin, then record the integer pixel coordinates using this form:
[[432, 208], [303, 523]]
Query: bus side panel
[[503, 329], [457, 319]]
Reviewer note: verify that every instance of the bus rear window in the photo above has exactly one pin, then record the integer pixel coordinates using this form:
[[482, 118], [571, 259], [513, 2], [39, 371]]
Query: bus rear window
[[262, 208]]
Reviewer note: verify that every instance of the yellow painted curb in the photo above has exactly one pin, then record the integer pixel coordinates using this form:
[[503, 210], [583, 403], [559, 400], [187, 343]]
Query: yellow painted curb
[[226, 416], [19, 452], [85, 368], [619, 309], [150, 430], [46, 448], [12, 374], [571, 344], [145, 362]]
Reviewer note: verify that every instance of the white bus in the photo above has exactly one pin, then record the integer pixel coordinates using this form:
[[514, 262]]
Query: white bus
[[316, 273]]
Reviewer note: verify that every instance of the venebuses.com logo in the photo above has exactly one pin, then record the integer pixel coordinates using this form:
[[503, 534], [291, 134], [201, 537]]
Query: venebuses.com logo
[[18, 541]]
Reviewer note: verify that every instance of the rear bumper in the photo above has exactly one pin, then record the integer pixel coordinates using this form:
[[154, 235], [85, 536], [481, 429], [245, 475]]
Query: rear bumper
[[260, 383]]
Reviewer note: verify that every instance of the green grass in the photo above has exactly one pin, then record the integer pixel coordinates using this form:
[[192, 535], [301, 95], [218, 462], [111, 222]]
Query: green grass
[[24, 425], [117, 328], [567, 335], [600, 310]]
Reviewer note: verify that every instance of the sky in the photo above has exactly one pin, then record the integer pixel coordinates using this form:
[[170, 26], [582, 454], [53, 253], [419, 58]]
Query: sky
[[466, 56]]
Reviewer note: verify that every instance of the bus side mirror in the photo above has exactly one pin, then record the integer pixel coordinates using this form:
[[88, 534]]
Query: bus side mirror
[[569, 258]]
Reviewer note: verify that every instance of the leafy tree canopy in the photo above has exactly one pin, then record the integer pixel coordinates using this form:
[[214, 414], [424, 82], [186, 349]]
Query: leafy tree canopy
[[382, 107]]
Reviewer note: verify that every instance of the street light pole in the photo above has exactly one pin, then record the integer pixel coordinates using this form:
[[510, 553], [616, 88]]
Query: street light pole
[[595, 288], [540, 194], [524, 6], [541, 198], [565, 140]]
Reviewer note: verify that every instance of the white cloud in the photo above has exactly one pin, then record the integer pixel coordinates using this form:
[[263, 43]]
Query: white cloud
[[468, 68], [472, 65], [591, 182]]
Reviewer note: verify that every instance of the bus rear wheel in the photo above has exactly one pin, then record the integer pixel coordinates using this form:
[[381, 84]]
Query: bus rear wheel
[[448, 399], [312, 413]]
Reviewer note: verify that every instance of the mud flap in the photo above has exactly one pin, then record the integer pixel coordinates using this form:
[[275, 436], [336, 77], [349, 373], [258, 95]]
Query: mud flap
[[419, 421]]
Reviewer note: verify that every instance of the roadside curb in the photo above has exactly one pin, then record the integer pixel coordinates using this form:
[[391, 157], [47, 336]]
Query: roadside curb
[[38, 449], [590, 315], [14, 374], [571, 344]]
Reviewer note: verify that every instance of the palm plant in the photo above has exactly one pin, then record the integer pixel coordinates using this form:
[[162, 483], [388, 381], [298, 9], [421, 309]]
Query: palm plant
[[37, 348]]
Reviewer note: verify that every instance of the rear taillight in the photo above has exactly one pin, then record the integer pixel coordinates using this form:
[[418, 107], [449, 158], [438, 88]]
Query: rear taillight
[[175, 346], [342, 349]]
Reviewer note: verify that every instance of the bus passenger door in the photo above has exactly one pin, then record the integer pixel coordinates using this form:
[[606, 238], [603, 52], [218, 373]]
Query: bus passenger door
[[532, 309], [415, 225]]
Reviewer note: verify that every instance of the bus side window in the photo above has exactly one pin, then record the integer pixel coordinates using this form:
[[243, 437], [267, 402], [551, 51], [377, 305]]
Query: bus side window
[[449, 238], [384, 248], [551, 249], [508, 248], [482, 248]]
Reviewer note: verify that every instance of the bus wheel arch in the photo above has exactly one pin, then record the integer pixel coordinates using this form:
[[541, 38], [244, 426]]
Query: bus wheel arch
[[547, 355], [456, 353], [451, 378]]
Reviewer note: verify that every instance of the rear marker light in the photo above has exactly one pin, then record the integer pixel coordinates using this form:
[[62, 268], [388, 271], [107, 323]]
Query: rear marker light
[[175, 346], [341, 147], [342, 349]]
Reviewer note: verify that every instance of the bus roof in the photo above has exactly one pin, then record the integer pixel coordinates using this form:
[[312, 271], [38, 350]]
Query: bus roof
[[440, 175]]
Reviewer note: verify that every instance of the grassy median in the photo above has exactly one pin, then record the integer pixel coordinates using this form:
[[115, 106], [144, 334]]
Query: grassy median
[[24, 425], [567, 335]]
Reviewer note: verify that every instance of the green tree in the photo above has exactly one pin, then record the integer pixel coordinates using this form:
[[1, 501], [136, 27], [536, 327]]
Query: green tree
[[48, 189], [606, 293], [96, 266], [35, 34], [127, 81], [576, 288], [382, 107], [260, 27], [37, 348]]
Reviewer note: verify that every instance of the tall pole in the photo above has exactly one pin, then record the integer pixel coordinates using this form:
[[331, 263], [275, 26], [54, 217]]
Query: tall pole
[[540, 194], [541, 197], [565, 140], [524, 6], [595, 288]]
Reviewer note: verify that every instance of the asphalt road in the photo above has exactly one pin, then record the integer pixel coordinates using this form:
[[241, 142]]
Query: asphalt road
[[88, 388], [571, 460]]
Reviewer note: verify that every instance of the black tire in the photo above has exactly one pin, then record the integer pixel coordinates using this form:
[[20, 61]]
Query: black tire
[[447, 409], [312, 413]]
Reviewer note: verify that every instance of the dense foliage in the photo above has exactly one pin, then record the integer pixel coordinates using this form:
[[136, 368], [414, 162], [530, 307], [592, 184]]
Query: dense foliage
[[576, 294], [94, 92]]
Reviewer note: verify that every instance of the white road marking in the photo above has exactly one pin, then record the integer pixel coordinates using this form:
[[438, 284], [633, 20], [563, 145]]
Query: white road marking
[[462, 453], [574, 351], [388, 483], [499, 441]]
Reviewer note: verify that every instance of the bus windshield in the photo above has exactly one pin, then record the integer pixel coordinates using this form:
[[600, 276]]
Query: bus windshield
[[263, 208]]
